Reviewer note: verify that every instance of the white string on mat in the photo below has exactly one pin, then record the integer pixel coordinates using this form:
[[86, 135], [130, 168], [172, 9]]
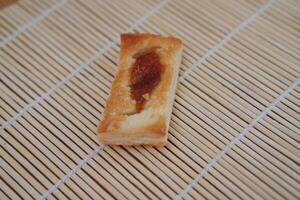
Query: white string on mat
[[77, 167], [209, 53], [83, 65], [237, 139], [197, 63], [32, 22], [226, 39], [74, 170]]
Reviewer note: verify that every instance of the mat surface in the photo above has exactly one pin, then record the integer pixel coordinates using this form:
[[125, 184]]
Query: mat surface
[[235, 128]]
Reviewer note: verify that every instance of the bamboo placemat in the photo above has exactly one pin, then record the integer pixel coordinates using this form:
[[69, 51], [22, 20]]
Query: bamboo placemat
[[235, 128]]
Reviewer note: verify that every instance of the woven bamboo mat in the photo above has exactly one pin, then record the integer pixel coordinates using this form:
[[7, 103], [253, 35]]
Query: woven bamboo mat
[[235, 128]]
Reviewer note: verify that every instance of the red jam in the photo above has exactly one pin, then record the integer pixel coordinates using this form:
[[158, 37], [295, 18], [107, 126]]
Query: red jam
[[145, 76]]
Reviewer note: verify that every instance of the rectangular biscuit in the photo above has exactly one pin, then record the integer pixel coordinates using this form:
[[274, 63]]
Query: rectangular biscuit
[[139, 107]]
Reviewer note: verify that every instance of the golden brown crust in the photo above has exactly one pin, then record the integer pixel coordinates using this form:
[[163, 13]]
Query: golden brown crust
[[121, 124]]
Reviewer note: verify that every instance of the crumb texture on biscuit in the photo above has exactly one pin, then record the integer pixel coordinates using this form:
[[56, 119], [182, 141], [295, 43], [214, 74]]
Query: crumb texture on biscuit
[[140, 103]]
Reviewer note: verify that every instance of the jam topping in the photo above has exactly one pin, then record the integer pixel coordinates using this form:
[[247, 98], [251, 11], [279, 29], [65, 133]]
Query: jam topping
[[145, 76]]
